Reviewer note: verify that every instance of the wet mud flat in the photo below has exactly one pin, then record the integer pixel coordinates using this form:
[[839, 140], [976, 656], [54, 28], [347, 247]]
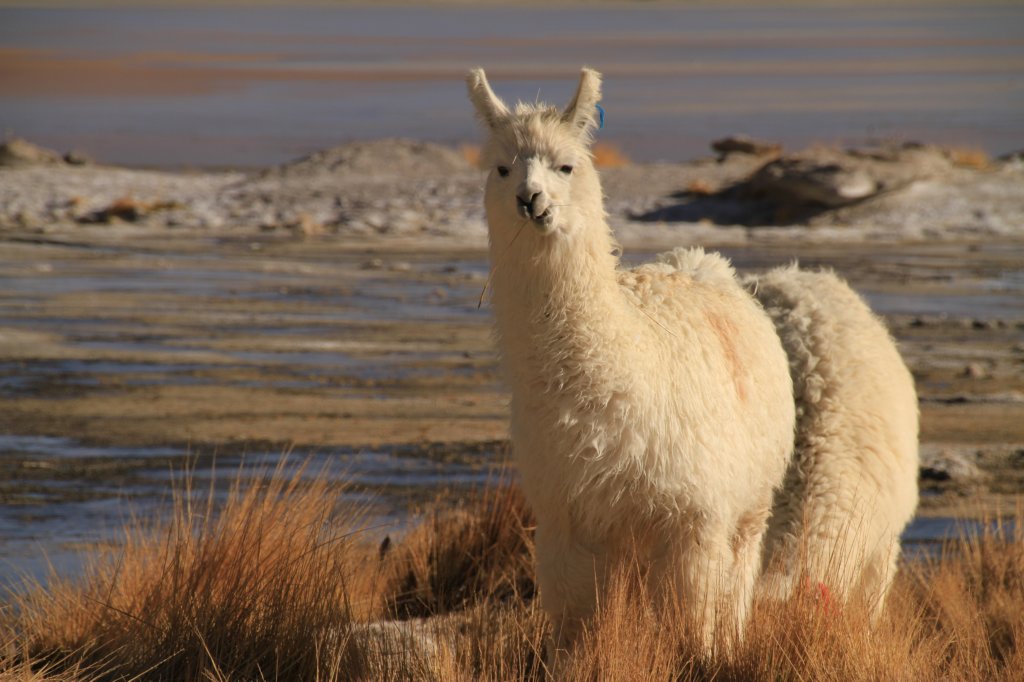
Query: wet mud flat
[[127, 357]]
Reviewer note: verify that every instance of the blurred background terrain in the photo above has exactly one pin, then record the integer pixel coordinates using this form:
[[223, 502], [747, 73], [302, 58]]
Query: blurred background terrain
[[245, 86]]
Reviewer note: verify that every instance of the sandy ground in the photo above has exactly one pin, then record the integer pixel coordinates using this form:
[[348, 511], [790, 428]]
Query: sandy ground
[[332, 304]]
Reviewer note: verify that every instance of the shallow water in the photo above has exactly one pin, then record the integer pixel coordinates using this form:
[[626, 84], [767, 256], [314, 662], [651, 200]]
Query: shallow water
[[54, 522], [60, 497], [51, 523], [255, 86], [925, 538]]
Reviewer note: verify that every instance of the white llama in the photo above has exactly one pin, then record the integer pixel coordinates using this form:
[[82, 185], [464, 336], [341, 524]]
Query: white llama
[[851, 487], [652, 409]]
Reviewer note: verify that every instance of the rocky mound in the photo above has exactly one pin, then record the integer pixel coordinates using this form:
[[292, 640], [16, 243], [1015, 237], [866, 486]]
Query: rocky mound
[[909, 190], [18, 153], [378, 158]]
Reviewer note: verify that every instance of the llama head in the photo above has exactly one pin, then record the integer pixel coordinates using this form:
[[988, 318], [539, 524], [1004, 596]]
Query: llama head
[[541, 176]]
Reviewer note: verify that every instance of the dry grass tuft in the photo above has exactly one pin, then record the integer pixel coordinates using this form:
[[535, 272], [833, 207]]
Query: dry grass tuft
[[700, 188], [970, 157], [128, 209], [607, 155], [471, 153], [273, 585], [17, 665], [265, 586], [481, 554], [971, 600]]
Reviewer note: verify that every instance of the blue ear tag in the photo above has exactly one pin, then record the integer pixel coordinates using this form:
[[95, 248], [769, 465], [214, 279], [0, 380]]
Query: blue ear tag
[[600, 120]]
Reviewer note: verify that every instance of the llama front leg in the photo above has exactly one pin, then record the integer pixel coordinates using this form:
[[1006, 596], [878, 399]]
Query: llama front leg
[[676, 581], [698, 573], [568, 578], [717, 579]]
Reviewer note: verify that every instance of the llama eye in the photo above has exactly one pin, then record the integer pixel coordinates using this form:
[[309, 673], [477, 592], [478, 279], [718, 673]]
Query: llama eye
[[566, 169], [503, 171]]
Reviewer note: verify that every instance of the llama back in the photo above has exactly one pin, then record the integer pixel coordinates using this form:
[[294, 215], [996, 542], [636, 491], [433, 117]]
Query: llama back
[[852, 484], [710, 335], [702, 266], [688, 291]]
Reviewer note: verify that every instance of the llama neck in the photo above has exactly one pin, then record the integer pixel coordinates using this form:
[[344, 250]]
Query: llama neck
[[554, 296]]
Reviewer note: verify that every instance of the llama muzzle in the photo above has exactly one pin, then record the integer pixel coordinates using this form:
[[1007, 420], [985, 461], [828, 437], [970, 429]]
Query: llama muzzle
[[535, 207]]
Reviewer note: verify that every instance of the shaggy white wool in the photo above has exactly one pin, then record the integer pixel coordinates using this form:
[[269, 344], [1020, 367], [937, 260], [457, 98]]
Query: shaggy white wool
[[699, 265], [851, 487], [652, 409]]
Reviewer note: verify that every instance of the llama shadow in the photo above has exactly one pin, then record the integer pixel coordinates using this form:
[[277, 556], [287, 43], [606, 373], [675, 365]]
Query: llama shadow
[[738, 204]]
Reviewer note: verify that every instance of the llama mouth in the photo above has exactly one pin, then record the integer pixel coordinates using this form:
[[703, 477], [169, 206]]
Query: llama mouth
[[540, 220], [543, 221]]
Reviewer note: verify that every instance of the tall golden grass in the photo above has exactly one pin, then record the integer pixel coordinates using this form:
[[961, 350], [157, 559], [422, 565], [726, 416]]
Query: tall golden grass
[[266, 586], [277, 583]]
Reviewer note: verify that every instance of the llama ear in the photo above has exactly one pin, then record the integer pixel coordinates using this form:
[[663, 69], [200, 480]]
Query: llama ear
[[582, 110], [489, 107]]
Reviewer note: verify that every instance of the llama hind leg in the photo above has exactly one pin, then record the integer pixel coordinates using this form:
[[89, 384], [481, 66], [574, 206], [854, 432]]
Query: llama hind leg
[[877, 576], [746, 544]]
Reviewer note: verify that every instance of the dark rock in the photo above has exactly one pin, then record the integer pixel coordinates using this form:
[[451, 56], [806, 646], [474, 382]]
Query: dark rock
[[127, 209], [812, 181], [949, 465], [742, 144], [975, 370], [77, 158], [833, 178]]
